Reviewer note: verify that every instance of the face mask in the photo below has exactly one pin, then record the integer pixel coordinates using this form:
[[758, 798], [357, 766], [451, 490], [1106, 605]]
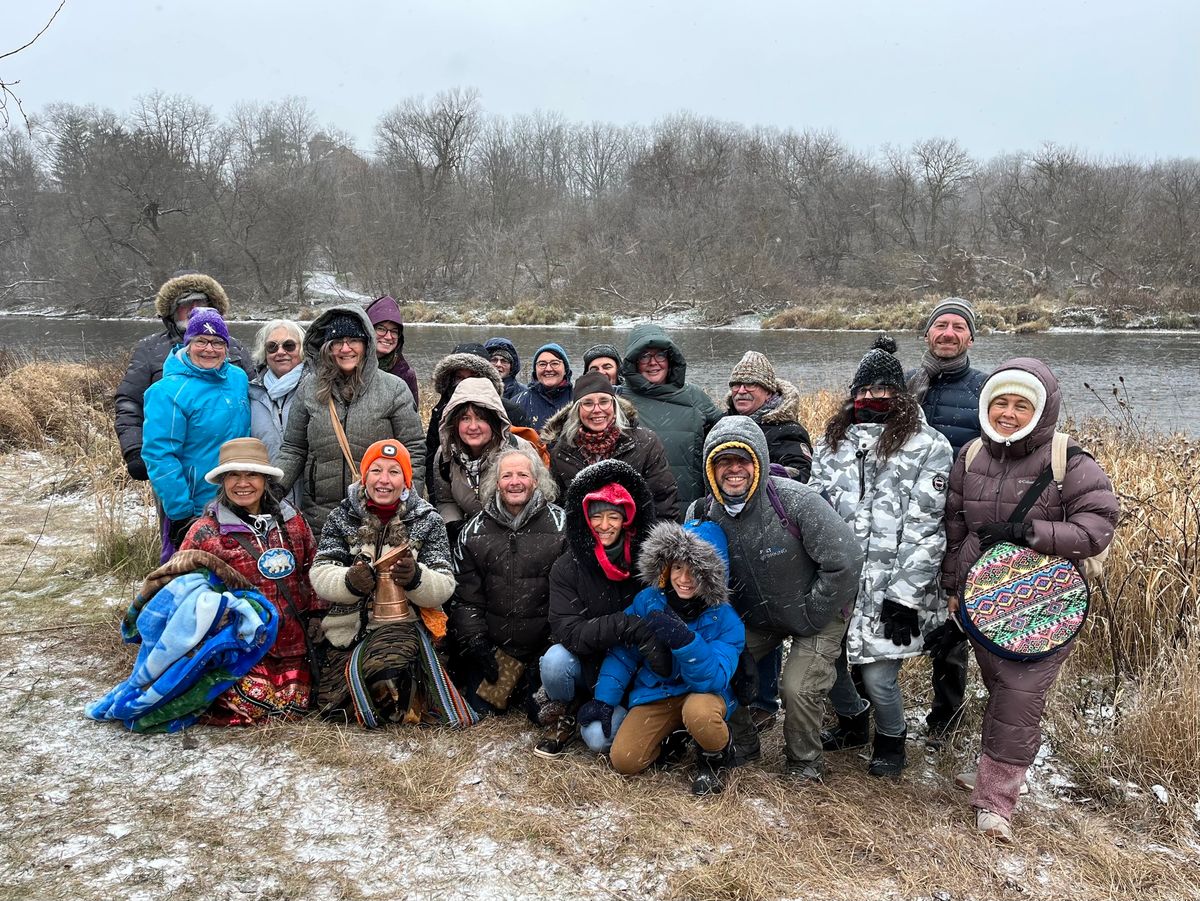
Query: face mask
[[872, 409]]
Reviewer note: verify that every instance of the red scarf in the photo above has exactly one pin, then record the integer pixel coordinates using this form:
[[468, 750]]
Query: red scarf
[[385, 513], [611, 571], [596, 446]]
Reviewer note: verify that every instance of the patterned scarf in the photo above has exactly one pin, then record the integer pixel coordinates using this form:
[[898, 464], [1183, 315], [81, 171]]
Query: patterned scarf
[[931, 368], [472, 467], [596, 446]]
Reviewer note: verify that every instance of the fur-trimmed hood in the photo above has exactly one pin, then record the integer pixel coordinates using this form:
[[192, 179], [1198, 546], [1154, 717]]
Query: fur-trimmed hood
[[787, 411], [174, 288], [451, 363], [592, 478], [700, 544], [551, 429]]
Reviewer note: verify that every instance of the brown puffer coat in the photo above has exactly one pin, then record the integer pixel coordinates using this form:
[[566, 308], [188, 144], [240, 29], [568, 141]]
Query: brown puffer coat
[[1075, 525]]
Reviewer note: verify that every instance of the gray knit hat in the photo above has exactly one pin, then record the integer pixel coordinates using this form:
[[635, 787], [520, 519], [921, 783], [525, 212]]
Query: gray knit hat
[[601, 350], [955, 305], [755, 369]]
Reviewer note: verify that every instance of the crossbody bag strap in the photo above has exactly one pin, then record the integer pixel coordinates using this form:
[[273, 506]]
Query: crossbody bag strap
[[341, 437], [1031, 496]]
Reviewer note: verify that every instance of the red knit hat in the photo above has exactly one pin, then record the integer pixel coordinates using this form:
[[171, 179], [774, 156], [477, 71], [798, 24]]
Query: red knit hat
[[391, 449]]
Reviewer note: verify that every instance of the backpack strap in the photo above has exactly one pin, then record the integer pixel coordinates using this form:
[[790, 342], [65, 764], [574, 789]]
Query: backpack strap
[[972, 450], [777, 505], [1058, 458]]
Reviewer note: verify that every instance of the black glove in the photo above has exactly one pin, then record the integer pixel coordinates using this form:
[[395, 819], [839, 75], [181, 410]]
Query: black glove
[[670, 629], [745, 679], [899, 622], [360, 579], [942, 641], [995, 532], [136, 466], [656, 654], [177, 530], [482, 654], [597, 712]]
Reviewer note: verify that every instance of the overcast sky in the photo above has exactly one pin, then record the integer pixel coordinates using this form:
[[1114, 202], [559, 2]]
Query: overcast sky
[[1112, 77]]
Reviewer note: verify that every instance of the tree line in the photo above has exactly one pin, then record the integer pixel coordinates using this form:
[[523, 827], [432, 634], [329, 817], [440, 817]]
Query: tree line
[[451, 203]]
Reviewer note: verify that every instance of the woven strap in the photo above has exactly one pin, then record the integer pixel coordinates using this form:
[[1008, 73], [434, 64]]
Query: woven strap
[[341, 437]]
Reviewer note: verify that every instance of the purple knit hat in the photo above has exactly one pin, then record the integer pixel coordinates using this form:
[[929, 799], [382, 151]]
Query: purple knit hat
[[206, 322]]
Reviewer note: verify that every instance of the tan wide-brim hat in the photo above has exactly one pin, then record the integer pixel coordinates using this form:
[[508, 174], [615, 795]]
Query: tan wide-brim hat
[[243, 455]]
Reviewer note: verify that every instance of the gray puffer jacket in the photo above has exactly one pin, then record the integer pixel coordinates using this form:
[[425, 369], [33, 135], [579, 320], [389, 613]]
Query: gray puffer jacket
[[895, 507], [779, 584], [383, 408]]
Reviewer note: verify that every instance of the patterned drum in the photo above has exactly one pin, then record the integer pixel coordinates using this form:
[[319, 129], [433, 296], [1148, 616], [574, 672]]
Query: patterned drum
[[1021, 604]]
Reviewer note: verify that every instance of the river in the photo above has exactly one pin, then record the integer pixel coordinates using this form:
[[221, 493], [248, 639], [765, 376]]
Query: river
[[1157, 368]]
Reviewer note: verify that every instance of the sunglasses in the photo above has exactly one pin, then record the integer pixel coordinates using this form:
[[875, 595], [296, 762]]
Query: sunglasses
[[288, 346]]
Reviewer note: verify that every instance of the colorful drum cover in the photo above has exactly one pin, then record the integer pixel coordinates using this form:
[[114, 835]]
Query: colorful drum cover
[[1021, 604]]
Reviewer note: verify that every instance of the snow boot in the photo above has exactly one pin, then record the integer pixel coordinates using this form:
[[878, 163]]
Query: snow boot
[[710, 771], [888, 757], [557, 738], [673, 749], [850, 732]]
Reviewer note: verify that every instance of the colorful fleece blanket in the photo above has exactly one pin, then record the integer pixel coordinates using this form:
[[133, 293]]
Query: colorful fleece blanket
[[197, 639]]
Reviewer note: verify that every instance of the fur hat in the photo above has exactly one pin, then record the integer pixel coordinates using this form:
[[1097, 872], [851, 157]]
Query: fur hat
[[955, 305], [206, 322], [390, 449], [754, 369], [242, 455], [343, 325], [879, 367], [186, 284]]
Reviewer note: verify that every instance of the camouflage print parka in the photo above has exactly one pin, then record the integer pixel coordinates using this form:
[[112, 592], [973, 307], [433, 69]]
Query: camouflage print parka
[[895, 507]]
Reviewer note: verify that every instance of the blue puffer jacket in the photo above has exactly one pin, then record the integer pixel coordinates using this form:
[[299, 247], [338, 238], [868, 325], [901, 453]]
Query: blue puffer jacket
[[952, 406], [512, 387], [189, 415], [540, 403], [705, 665]]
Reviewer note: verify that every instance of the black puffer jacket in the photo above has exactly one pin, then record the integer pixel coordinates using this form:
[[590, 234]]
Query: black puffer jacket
[[787, 438], [149, 354], [586, 607], [503, 566]]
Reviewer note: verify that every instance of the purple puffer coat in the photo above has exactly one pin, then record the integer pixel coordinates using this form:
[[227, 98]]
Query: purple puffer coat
[[385, 309], [1075, 525]]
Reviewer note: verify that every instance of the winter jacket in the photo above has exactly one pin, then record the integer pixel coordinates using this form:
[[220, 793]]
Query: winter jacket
[[680, 414], [351, 533], [706, 664], [502, 565], [311, 454], [269, 416], [512, 385], [779, 584], [539, 403], [443, 385], [951, 405], [587, 608], [638, 447], [190, 413], [385, 309], [895, 507], [1078, 523], [215, 532], [457, 498], [787, 439]]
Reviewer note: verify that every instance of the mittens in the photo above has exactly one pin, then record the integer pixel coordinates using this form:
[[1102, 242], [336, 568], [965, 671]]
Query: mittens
[[995, 532], [944, 639], [360, 579], [670, 629], [597, 712]]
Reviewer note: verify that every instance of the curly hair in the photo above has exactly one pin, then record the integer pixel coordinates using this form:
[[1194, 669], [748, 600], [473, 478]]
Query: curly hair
[[902, 423], [295, 329], [543, 481]]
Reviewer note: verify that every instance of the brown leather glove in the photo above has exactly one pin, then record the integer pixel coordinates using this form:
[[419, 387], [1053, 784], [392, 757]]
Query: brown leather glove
[[360, 579], [404, 572]]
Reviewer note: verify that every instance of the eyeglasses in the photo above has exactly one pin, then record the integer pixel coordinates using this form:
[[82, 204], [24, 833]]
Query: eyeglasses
[[288, 346], [497, 360], [551, 364], [335, 343], [875, 391], [383, 331], [653, 356], [208, 343]]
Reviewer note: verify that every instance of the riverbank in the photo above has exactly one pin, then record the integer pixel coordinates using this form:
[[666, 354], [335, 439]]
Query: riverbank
[[92, 812]]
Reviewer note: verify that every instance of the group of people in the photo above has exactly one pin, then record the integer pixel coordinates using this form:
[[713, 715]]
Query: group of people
[[706, 561]]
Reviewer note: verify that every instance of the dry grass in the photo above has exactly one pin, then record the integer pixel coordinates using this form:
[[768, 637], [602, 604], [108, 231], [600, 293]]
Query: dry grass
[[864, 311]]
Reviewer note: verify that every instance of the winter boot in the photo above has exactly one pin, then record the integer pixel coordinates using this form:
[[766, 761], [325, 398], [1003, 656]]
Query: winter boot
[[557, 738], [850, 732], [887, 757], [710, 771], [673, 749]]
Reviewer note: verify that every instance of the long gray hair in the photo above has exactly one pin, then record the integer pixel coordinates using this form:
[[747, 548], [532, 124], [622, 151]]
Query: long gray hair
[[330, 377], [571, 427], [543, 481], [295, 329]]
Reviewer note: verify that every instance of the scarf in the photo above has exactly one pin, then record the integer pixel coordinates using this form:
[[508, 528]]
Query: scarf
[[614, 561], [501, 515], [472, 467], [771, 403], [931, 368], [872, 409], [596, 446], [385, 512], [280, 386], [689, 610]]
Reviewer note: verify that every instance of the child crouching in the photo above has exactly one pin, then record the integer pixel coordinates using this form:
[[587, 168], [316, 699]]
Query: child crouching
[[680, 674]]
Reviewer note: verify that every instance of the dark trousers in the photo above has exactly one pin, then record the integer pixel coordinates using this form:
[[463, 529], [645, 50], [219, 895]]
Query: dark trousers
[[949, 688]]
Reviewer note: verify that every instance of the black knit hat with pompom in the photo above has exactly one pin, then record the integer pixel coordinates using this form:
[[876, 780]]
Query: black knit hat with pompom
[[879, 367]]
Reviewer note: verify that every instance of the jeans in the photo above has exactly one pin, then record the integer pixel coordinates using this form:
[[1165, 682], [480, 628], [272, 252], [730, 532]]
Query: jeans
[[879, 680], [561, 674], [593, 733]]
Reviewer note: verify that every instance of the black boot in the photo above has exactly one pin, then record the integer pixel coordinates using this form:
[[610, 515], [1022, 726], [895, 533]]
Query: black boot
[[710, 771], [557, 738], [673, 749], [850, 732], [888, 757]]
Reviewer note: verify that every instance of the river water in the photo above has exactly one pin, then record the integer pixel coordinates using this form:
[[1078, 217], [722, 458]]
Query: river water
[[1161, 371]]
